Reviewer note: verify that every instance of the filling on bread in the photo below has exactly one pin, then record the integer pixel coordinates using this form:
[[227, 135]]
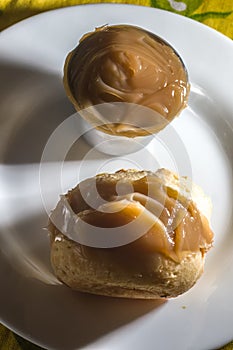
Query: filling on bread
[[132, 216]]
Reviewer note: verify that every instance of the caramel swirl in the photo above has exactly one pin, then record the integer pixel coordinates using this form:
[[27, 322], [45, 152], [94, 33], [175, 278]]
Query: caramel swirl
[[156, 219], [127, 64]]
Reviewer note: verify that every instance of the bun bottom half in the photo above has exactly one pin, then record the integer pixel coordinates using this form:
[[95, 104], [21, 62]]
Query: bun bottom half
[[160, 277]]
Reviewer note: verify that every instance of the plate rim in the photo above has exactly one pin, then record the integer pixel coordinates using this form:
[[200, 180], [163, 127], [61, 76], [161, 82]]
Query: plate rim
[[67, 8]]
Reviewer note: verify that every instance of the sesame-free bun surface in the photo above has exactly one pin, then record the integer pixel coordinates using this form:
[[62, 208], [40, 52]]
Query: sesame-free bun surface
[[126, 271]]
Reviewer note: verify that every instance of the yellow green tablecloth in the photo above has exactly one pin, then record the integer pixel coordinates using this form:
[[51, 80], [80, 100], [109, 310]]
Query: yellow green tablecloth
[[217, 14]]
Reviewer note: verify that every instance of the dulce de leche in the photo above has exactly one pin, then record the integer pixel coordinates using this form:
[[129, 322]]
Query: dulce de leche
[[148, 217], [170, 225], [131, 69]]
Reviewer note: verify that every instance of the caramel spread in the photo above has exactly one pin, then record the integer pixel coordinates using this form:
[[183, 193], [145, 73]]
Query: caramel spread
[[130, 65], [157, 220]]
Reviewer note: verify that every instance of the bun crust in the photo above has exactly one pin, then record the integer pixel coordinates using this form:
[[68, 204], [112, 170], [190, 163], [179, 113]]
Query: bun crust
[[149, 275]]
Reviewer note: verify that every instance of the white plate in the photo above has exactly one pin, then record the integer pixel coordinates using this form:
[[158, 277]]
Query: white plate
[[199, 144]]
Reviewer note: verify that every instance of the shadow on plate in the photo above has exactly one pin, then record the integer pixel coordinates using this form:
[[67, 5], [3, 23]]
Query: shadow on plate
[[50, 314], [32, 105], [57, 317]]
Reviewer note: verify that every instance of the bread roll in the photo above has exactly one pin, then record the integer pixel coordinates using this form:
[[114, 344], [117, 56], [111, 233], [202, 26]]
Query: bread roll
[[164, 260]]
